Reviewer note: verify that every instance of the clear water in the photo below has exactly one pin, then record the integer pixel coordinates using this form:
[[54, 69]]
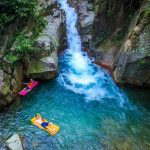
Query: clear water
[[83, 125], [92, 112]]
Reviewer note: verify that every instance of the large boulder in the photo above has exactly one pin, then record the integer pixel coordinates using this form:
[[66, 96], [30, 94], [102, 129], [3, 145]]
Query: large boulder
[[14, 143], [86, 17], [44, 68], [86, 21]]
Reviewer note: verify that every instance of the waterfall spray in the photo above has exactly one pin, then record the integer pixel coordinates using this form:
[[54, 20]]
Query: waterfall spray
[[80, 74]]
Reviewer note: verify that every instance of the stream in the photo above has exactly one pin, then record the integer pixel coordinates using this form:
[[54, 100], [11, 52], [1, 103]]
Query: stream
[[92, 111]]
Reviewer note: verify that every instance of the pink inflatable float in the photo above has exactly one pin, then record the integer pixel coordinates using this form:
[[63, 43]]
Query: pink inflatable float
[[26, 91]]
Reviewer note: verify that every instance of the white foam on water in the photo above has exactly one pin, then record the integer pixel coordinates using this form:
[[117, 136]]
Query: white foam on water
[[80, 74]]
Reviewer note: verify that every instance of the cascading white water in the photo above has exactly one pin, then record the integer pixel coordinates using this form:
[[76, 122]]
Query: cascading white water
[[80, 74]]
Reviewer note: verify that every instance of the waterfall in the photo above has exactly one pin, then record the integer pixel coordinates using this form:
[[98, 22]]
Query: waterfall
[[79, 74]]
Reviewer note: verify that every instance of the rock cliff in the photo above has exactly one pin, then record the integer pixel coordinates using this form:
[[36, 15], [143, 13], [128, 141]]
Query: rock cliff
[[29, 45], [132, 64], [116, 34]]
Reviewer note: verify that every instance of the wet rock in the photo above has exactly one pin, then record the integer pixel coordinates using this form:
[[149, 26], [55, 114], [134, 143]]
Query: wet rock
[[83, 8], [44, 4], [48, 43], [14, 143], [44, 68], [86, 21], [90, 6], [118, 43], [86, 17], [10, 82]]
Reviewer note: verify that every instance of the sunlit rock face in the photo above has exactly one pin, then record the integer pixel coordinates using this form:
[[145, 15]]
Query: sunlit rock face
[[44, 68], [48, 44], [132, 65]]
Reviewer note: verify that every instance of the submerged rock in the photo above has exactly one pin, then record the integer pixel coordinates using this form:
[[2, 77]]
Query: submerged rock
[[14, 143]]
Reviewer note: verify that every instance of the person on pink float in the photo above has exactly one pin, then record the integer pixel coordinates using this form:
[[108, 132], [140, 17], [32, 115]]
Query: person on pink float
[[29, 85]]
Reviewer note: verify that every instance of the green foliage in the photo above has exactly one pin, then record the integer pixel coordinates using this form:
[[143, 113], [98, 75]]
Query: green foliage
[[38, 25], [12, 10], [117, 38], [24, 44], [11, 58], [101, 38], [25, 15], [24, 48], [142, 62], [147, 12], [110, 10]]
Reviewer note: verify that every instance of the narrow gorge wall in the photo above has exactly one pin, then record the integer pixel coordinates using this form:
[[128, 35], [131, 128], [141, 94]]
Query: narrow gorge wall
[[116, 34], [132, 64]]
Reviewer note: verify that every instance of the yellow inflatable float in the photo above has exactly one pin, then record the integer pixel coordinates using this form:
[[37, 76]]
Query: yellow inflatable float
[[51, 129]]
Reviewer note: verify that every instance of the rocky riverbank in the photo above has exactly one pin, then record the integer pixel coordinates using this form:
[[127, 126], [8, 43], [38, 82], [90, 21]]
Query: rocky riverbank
[[41, 62]]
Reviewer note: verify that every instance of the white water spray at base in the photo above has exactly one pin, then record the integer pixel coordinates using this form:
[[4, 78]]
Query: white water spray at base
[[80, 74]]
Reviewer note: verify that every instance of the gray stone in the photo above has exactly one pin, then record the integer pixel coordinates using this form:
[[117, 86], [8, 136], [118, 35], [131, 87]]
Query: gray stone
[[49, 39], [83, 8], [90, 6], [132, 64], [10, 83], [14, 143], [44, 68], [86, 22], [48, 43]]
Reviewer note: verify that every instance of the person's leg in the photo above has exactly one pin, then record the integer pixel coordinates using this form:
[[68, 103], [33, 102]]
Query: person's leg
[[28, 88], [50, 123], [49, 128]]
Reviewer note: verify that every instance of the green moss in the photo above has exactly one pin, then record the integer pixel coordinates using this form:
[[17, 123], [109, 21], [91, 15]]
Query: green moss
[[11, 58], [147, 12], [25, 17], [142, 62], [24, 48], [117, 38], [24, 44], [100, 39], [17, 9]]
